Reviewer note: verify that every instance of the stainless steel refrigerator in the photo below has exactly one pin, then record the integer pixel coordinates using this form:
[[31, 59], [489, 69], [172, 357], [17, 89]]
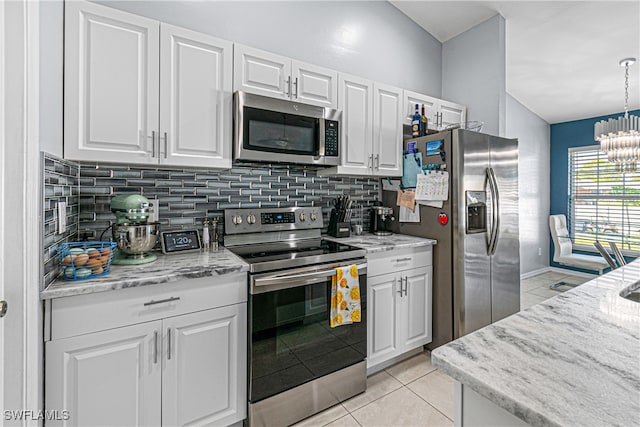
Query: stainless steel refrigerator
[[476, 277]]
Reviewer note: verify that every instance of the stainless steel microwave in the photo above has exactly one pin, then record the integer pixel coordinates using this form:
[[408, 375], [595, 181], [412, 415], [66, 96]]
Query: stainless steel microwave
[[276, 130]]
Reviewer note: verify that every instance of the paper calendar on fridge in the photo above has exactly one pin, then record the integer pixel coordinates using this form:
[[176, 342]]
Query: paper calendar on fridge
[[433, 186]]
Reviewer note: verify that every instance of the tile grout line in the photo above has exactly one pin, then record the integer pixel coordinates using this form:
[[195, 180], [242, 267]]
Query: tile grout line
[[427, 402]]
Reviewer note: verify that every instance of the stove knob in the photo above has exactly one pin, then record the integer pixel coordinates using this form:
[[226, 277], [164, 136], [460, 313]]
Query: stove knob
[[314, 216], [303, 217], [237, 219], [251, 219]]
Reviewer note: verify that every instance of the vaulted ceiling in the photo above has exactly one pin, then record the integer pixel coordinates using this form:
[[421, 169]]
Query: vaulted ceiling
[[562, 56]]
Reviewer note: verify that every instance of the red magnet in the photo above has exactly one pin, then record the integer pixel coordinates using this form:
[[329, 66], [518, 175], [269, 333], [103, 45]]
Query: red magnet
[[443, 218]]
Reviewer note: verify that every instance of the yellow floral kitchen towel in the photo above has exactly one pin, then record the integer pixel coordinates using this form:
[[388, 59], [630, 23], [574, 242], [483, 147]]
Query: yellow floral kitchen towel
[[345, 296]]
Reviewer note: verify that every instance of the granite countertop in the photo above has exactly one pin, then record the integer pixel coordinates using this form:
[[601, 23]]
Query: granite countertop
[[373, 243], [167, 268], [571, 360]]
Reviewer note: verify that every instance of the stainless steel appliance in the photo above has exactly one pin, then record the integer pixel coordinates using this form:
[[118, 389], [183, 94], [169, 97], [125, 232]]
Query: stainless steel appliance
[[275, 130], [381, 217], [476, 262], [298, 364]]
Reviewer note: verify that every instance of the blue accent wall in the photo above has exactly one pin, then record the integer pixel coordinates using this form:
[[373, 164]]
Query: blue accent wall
[[578, 133]]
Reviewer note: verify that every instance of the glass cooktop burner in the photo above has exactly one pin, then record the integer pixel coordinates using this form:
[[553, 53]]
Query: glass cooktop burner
[[298, 252]]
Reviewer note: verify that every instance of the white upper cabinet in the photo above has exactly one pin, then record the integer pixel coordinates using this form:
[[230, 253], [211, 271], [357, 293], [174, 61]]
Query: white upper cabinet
[[111, 84], [387, 130], [451, 113], [314, 85], [356, 102], [260, 72], [439, 112], [196, 98], [371, 135], [265, 73], [430, 107], [137, 91]]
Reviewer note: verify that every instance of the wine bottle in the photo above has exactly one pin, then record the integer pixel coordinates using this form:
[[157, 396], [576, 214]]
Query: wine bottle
[[415, 123], [423, 123]]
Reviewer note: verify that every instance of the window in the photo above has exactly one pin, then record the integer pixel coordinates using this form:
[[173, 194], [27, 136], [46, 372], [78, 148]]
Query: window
[[603, 204]]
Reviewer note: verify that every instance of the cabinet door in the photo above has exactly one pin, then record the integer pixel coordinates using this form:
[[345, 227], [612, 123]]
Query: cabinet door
[[430, 107], [111, 84], [387, 130], [382, 318], [204, 379], [451, 113], [260, 72], [417, 310], [110, 378], [314, 85], [356, 102], [195, 98]]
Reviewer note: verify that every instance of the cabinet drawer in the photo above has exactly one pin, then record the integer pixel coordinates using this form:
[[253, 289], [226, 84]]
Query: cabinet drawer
[[84, 314], [398, 260]]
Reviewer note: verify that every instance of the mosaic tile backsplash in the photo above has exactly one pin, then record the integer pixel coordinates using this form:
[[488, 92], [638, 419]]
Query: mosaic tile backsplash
[[60, 183], [186, 196]]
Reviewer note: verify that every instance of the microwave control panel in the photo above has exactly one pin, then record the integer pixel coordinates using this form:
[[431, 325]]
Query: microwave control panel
[[331, 138]]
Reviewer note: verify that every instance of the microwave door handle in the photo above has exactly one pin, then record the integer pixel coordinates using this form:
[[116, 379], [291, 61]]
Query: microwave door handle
[[284, 281]]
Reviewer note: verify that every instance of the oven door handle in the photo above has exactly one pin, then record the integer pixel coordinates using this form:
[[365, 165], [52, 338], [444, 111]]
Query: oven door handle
[[277, 282]]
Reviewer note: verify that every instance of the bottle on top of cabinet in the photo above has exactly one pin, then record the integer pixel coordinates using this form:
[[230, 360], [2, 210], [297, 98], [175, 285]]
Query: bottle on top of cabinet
[[415, 122]]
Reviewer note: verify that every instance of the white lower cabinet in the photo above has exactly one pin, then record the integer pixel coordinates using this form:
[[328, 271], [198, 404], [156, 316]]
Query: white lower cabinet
[[177, 367], [110, 378], [204, 376], [399, 311]]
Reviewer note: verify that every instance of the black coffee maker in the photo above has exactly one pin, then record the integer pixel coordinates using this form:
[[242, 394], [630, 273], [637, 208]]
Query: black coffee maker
[[381, 216]]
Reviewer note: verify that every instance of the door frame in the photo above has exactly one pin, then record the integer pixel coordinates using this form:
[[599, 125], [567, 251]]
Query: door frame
[[19, 149]]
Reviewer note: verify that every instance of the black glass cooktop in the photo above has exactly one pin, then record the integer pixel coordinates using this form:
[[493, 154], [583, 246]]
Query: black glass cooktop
[[268, 256]]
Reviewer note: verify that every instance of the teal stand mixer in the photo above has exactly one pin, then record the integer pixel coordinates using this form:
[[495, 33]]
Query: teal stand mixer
[[134, 235]]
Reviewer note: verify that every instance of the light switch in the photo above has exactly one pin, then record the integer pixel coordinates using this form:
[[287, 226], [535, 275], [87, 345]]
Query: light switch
[[62, 217]]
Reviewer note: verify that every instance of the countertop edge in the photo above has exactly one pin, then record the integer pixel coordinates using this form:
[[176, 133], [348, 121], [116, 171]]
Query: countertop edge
[[229, 264], [515, 408]]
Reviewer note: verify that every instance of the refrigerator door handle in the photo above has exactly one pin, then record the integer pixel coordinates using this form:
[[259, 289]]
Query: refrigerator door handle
[[495, 214]]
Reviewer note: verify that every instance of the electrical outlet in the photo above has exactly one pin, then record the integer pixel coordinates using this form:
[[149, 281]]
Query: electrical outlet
[[539, 251], [62, 217], [154, 210]]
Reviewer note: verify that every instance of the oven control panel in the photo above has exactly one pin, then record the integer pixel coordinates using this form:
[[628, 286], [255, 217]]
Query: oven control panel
[[277, 218], [239, 221]]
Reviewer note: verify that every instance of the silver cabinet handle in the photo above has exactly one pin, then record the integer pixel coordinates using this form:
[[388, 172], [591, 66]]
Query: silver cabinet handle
[[377, 161], [166, 145], [162, 301], [406, 285], [3, 308], [295, 86], [153, 143], [403, 259], [155, 347], [288, 87], [370, 163], [400, 291], [168, 343]]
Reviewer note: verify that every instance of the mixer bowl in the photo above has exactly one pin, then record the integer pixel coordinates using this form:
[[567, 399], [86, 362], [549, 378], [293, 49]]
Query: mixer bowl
[[135, 240]]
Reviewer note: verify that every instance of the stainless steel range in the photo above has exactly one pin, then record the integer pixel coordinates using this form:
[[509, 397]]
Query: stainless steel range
[[298, 364]]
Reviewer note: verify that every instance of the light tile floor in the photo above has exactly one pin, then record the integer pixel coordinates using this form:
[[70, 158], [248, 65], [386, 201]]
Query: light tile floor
[[413, 392]]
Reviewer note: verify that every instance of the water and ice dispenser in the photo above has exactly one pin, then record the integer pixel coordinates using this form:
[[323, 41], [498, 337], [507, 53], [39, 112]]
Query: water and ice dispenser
[[476, 207]]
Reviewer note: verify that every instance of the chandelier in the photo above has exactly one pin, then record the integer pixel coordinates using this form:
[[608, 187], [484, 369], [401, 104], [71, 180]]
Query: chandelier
[[620, 138]]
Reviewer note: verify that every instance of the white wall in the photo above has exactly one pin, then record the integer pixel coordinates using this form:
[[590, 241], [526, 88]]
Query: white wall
[[533, 135], [51, 60], [474, 73], [371, 39]]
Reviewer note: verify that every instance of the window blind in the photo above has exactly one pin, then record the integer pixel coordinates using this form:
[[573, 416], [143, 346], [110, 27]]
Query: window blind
[[604, 204]]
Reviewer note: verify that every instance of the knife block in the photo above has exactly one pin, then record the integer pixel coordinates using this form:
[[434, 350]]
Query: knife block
[[337, 228]]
